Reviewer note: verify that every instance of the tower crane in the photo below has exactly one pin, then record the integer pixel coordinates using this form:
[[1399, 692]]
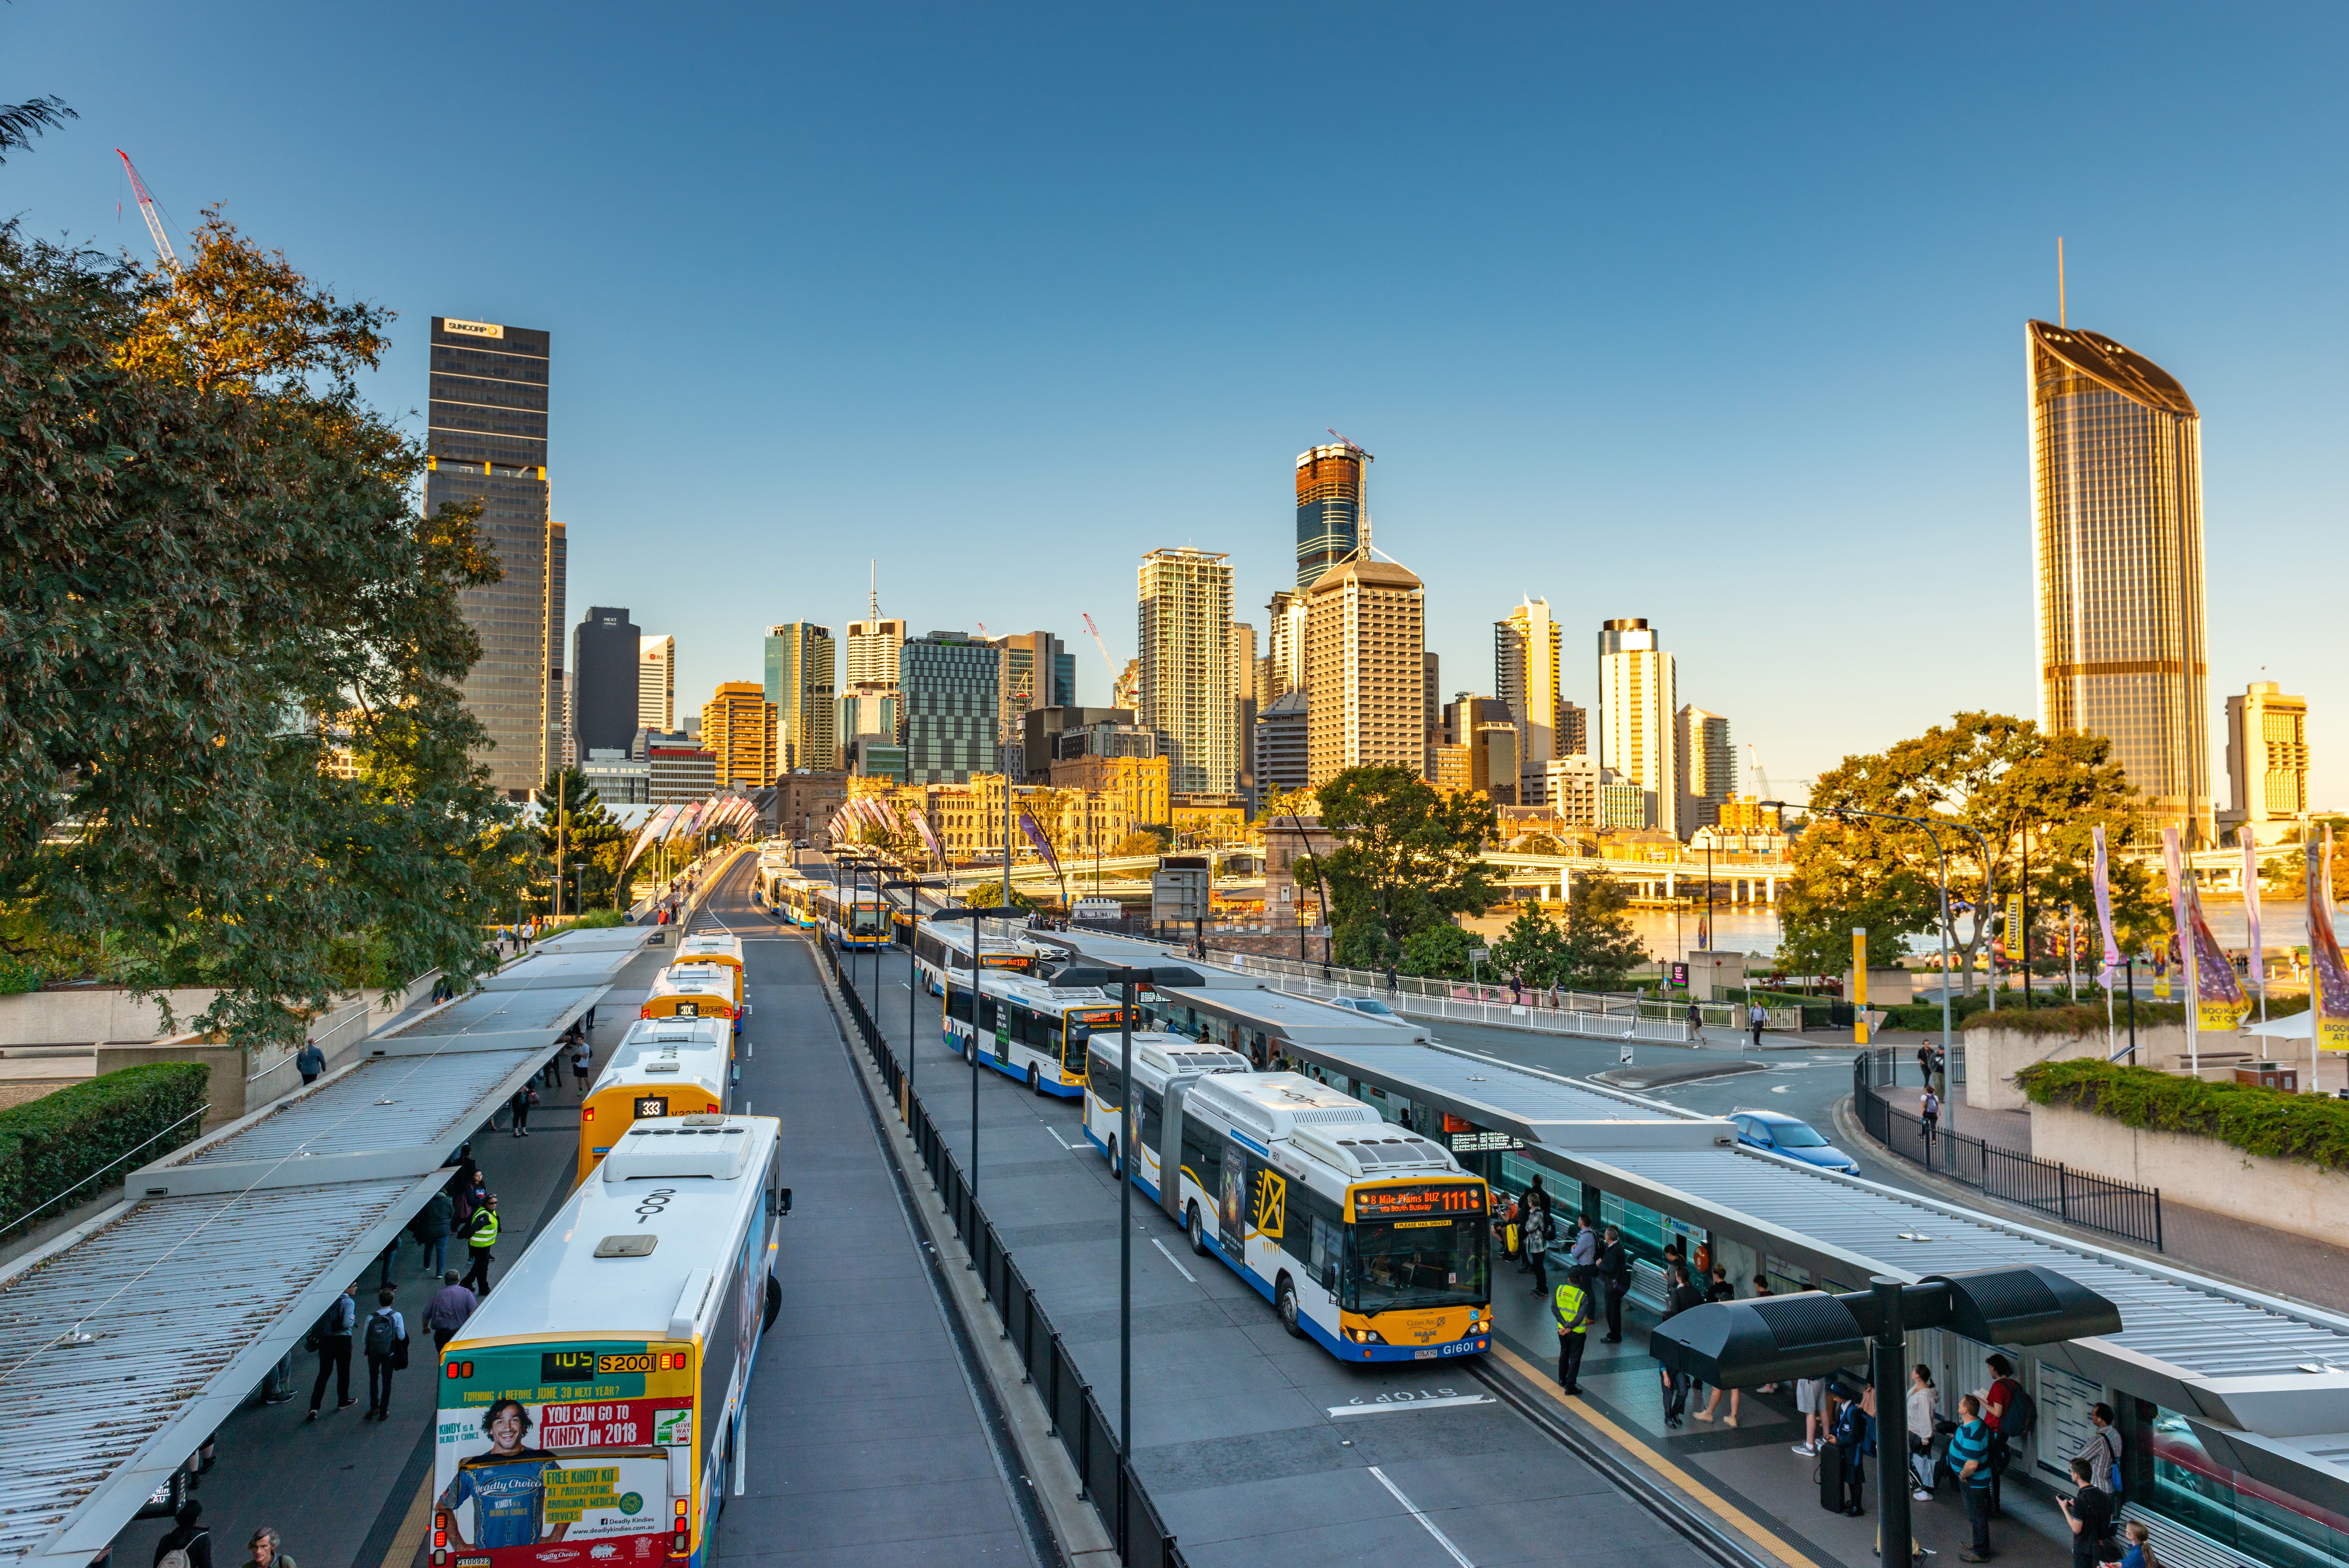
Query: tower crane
[[171, 258], [1110, 664], [1753, 770]]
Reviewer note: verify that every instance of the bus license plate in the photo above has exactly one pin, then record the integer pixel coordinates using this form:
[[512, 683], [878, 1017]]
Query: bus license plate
[[1424, 1355]]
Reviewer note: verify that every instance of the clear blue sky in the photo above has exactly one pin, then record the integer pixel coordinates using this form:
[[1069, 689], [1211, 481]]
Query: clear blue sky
[[1705, 314]]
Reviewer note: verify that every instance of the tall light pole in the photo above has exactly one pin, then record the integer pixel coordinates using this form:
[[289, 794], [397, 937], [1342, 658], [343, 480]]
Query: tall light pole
[[912, 887]]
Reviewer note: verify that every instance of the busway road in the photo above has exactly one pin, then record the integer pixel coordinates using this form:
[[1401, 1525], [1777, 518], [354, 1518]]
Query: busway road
[[1258, 1447]]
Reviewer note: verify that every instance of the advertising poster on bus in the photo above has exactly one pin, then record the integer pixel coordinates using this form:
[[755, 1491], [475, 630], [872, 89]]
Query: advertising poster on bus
[[547, 1456]]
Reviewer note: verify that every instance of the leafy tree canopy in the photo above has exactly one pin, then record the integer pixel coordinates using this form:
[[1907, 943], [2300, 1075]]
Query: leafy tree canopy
[[1410, 858], [1601, 949], [230, 726]]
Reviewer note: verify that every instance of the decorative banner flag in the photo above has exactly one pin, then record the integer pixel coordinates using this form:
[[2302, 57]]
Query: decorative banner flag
[[2215, 993], [649, 834], [888, 815], [2251, 911], [2112, 955], [2328, 976], [929, 835], [1036, 836]]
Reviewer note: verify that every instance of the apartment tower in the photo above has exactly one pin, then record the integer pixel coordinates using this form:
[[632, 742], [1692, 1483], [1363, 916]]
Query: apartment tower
[[657, 685], [1182, 622], [486, 441], [1528, 651], [1638, 697], [737, 728], [1332, 483], [1707, 765], [2267, 762], [799, 686], [951, 687], [1365, 678], [2117, 557]]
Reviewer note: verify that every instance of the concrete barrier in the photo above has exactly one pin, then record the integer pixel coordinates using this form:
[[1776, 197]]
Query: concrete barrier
[[1993, 1056], [79, 1014], [2286, 1194]]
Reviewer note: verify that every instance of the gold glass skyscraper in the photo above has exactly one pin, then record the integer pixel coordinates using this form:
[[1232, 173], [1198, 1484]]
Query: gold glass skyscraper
[[2117, 553]]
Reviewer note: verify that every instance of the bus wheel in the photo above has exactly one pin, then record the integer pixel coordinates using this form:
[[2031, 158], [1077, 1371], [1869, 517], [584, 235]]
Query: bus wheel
[[1198, 1233], [1284, 1302], [970, 1049], [1116, 1168], [1035, 1084]]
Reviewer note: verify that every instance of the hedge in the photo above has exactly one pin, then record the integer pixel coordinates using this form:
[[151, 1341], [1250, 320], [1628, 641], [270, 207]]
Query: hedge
[[2268, 1122], [48, 1145], [2078, 1018]]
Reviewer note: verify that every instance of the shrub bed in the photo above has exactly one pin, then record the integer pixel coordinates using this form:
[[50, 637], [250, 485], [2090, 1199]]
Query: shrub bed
[[49, 1144], [2267, 1122], [2075, 1019]]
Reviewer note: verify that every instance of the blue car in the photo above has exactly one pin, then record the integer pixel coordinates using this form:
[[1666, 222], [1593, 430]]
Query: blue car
[[1792, 1136]]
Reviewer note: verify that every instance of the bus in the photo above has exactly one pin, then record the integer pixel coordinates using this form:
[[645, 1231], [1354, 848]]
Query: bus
[[1367, 1238], [1034, 1030], [792, 897], [696, 990], [718, 948], [1162, 1063], [852, 916], [946, 944], [595, 1398], [662, 1068]]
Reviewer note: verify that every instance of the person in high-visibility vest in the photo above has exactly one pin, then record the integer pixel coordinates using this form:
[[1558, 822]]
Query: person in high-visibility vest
[[1571, 1304], [480, 1235]]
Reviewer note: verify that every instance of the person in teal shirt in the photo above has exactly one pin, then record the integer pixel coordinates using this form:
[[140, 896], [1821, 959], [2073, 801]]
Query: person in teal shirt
[[1970, 1457]]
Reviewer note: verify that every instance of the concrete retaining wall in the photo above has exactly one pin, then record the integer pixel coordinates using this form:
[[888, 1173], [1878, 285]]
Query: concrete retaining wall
[[1993, 1056], [2289, 1194], [223, 1093], [86, 1014]]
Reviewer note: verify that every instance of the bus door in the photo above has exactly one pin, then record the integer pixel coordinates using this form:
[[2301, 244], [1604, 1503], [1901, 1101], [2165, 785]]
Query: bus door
[[1171, 1144]]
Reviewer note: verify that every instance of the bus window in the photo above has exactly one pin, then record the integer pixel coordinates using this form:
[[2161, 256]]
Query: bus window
[[1394, 1263], [1152, 1105], [986, 1012], [1203, 1155], [958, 1005]]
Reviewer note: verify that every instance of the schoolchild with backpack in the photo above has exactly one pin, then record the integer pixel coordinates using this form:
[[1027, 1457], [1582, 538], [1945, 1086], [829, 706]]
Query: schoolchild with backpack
[[387, 1353]]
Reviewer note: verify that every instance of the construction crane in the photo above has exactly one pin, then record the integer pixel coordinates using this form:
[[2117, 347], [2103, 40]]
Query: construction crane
[[147, 210], [1094, 632]]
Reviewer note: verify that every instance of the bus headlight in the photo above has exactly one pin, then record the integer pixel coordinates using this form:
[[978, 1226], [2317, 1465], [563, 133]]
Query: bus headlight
[[1365, 1335]]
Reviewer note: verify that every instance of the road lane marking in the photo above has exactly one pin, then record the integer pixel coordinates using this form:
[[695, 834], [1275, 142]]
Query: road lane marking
[[1392, 1406], [1170, 1258], [1428, 1524], [1720, 1506], [1057, 1138]]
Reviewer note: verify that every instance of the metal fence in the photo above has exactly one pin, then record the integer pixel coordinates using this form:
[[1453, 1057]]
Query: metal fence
[[1103, 1476], [1884, 1063], [2098, 1203], [1547, 1020]]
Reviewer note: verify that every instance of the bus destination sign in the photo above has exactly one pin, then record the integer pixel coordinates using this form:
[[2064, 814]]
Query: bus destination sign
[[1420, 1202]]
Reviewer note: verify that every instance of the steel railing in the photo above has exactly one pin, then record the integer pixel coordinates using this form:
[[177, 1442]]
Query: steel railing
[[1104, 1476], [1628, 1026], [2120, 1208]]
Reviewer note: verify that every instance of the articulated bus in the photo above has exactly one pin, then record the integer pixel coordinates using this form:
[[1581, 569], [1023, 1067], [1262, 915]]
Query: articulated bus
[[662, 1068], [700, 989], [594, 1400], [718, 948], [1033, 1029], [1162, 1064], [852, 916], [946, 945], [1367, 1238], [793, 897]]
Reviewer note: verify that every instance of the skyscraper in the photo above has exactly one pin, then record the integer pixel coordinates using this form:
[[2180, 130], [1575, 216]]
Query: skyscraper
[[950, 684], [2267, 762], [738, 727], [487, 441], [2117, 553], [656, 684], [871, 651], [1182, 616], [799, 684], [603, 676], [1037, 670], [1332, 486], [1365, 678], [1527, 646], [1243, 667], [558, 688], [1637, 695], [1707, 766], [1284, 641]]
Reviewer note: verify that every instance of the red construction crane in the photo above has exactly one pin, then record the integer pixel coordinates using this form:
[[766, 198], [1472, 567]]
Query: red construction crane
[[147, 210]]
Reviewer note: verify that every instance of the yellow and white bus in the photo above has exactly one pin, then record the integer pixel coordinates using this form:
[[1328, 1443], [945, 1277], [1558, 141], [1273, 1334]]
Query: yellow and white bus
[[662, 1068], [1367, 1238], [1025, 1028], [700, 989], [596, 1399], [852, 916], [715, 947], [1162, 1064], [946, 945]]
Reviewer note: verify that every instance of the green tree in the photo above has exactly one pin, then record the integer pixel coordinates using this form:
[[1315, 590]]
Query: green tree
[[1538, 844], [1532, 948], [231, 734], [1600, 947], [1440, 950], [1410, 857], [581, 836]]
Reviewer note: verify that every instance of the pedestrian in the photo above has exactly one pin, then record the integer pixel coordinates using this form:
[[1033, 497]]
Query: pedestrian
[[333, 1336], [1929, 1115], [1695, 1023], [2007, 1410], [187, 1545], [1516, 990], [446, 1313], [1391, 982], [433, 1223], [265, 1551], [2102, 1448], [1680, 1295], [1536, 1262], [389, 1259], [1614, 1281], [583, 1059], [1924, 1408], [2089, 1511], [2140, 1546], [309, 1062], [1584, 1253], [1570, 1307], [387, 1353], [1721, 1289], [480, 1235], [1851, 1445], [1811, 1404], [523, 1098], [1754, 1019], [1970, 1457]]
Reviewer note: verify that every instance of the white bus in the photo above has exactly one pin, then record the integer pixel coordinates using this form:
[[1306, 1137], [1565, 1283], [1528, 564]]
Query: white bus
[[1367, 1238], [946, 945], [596, 1398], [1032, 1030], [852, 916], [1161, 1063]]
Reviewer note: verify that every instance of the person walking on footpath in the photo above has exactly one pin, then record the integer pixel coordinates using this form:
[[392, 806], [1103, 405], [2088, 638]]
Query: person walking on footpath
[[387, 1353], [433, 1223], [582, 1060], [1754, 1019], [520, 1105], [1811, 1404], [267, 1550], [1969, 1458], [1614, 1281], [1929, 1116], [480, 1235], [333, 1336], [1391, 982], [1695, 1023], [1570, 1307], [1680, 1295], [309, 1062], [446, 1313], [188, 1544]]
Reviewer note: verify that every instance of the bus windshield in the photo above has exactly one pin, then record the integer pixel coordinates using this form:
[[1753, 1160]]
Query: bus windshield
[[864, 921], [1395, 1264]]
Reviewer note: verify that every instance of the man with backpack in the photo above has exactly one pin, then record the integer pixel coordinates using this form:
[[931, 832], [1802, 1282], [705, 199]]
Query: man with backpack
[[387, 1353], [188, 1544], [331, 1338], [2011, 1417]]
